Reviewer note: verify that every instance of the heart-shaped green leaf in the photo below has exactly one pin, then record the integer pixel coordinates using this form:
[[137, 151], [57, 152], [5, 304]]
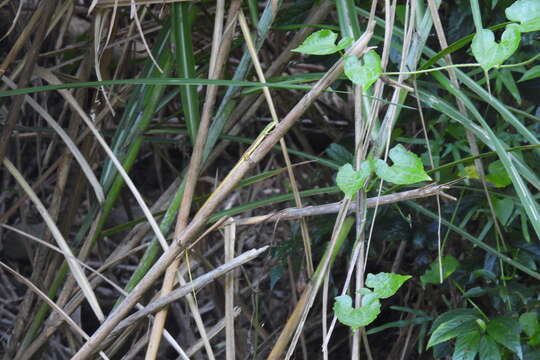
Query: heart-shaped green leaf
[[488, 53], [364, 75], [356, 318], [526, 12], [407, 169], [384, 285], [350, 181], [323, 42]]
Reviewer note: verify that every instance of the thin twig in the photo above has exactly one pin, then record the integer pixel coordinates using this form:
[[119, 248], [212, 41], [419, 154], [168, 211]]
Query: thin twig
[[332, 208]]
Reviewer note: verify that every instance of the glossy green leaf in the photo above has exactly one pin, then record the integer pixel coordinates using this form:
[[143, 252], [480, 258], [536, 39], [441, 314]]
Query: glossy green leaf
[[497, 175], [363, 74], [386, 284], [432, 274], [323, 42], [530, 74], [356, 318], [505, 331], [467, 346], [503, 209], [350, 181], [449, 315], [407, 169], [489, 53], [527, 13], [488, 349], [455, 327], [529, 323]]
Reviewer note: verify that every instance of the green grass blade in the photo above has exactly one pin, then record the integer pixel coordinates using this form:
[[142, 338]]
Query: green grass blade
[[450, 110], [474, 240], [151, 81], [509, 162], [185, 65]]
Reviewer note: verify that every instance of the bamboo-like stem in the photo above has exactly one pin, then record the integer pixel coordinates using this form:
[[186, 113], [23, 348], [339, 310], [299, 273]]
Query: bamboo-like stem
[[229, 246]]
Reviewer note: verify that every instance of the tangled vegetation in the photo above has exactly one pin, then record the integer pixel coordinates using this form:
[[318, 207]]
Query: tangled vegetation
[[269, 179]]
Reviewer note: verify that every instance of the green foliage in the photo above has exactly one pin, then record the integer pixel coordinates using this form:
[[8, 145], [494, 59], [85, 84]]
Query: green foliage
[[432, 275], [503, 209], [467, 346], [350, 181], [490, 53], [456, 326], [384, 285], [496, 275], [466, 333], [339, 154], [497, 175], [530, 74], [363, 74], [504, 77], [323, 42], [530, 326], [407, 168], [474, 337], [527, 13], [488, 349], [505, 331], [356, 318]]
